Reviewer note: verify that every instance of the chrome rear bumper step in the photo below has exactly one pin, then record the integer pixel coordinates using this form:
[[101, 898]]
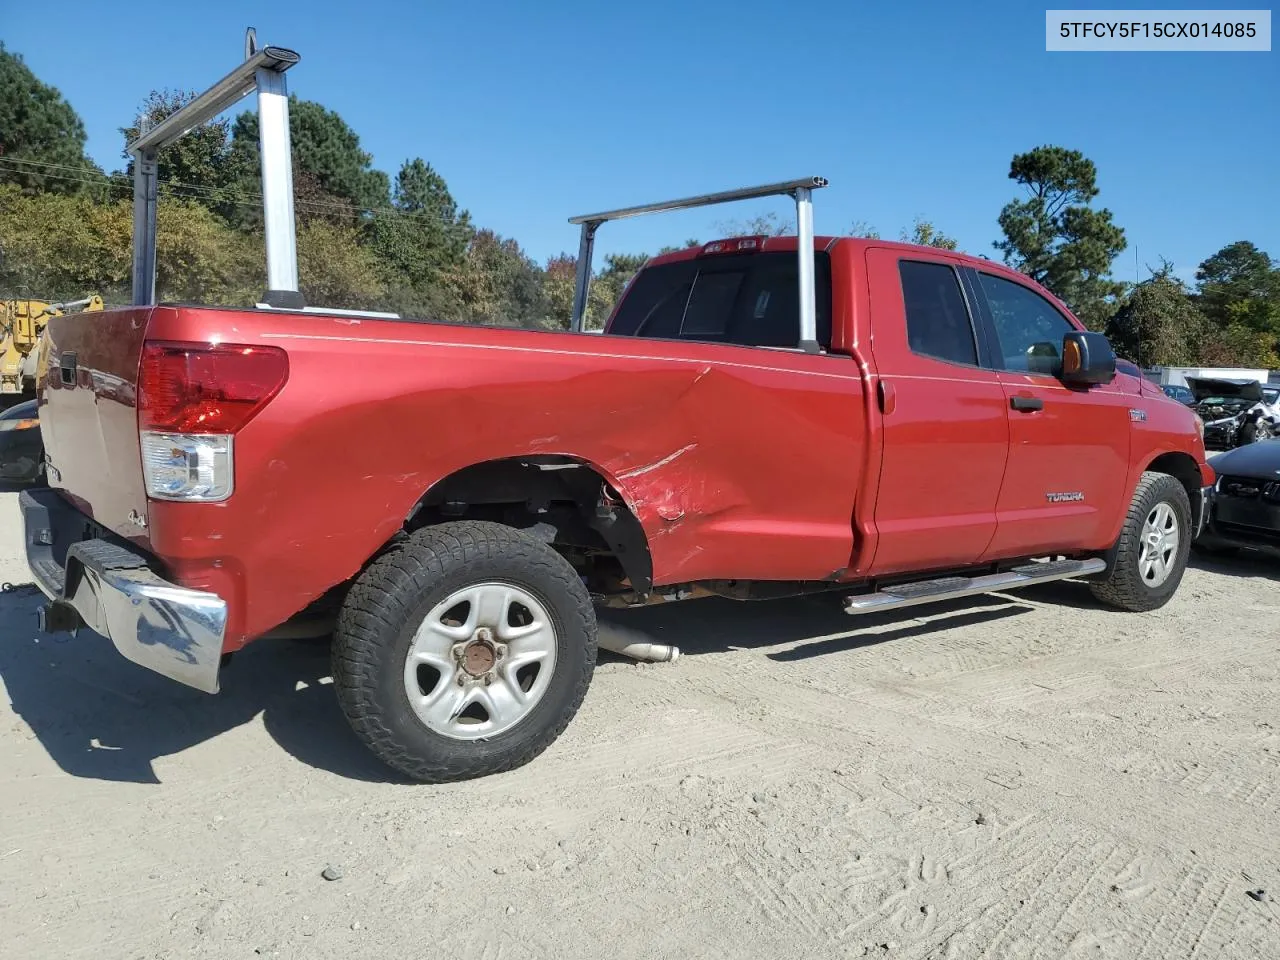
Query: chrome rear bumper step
[[948, 588]]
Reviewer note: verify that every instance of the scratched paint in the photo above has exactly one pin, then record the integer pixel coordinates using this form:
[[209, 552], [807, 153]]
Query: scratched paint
[[650, 467]]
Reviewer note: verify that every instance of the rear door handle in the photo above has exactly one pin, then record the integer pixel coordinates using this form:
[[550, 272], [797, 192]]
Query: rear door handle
[[887, 396], [1026, 404]]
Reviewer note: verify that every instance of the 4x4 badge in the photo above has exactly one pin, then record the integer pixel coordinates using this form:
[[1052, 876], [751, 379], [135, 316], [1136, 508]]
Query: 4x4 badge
[[1139, 416]]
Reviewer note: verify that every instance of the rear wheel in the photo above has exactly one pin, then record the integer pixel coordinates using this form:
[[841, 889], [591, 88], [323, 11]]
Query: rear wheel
[[464, 651], [1146, 564]]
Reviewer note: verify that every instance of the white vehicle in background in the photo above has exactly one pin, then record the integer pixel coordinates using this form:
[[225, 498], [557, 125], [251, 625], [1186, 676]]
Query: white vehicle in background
[[1235, 412]]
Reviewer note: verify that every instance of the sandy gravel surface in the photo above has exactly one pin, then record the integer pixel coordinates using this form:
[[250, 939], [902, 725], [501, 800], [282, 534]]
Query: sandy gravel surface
[[1020, 776]]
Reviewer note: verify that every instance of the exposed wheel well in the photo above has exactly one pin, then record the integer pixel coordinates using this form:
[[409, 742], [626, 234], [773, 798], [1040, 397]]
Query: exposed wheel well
[[1183, 468], [564, 501]]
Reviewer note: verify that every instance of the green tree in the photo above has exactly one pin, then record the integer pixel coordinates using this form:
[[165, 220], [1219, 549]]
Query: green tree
[[1238, 345], [860, 228], [925, 234], [618, 270], [41, 137], [57, 246], [498, 283], [61, 247], [1158, 324], [423, 235], [1240, 284], [201, 165], [334, 270], [324, 147], [199, 257], [1057, 238], [559, 280]]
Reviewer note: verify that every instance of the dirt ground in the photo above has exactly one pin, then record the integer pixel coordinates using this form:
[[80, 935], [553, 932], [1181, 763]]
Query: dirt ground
[[1021, 776]]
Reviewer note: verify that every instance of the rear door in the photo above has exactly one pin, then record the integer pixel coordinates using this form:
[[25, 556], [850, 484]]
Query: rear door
[[1069, 446], [944, 431]]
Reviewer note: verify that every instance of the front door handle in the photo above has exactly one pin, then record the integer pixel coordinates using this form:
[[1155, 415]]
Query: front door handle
[[1026, 404]]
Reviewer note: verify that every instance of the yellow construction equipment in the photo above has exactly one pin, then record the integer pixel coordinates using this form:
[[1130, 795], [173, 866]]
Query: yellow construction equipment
[[21, 324]]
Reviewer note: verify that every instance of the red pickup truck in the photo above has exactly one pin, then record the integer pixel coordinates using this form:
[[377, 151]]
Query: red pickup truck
[[462, 500]]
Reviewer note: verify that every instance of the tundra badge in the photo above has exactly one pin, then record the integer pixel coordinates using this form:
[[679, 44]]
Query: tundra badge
[[1074, 497]]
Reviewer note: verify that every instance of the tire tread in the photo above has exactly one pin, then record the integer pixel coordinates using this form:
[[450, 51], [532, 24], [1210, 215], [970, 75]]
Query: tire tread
[[375, 611], [1123, 586]]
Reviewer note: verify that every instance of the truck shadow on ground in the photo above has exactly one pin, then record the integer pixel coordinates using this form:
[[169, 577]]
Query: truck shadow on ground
[[101, 717], [1242, 563], [806, 627]]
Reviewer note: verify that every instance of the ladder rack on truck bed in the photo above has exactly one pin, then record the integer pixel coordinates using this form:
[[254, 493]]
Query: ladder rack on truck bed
[[263, 71]]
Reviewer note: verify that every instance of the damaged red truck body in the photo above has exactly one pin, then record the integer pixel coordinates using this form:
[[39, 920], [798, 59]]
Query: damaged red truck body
[[762, 417], [455, 509]]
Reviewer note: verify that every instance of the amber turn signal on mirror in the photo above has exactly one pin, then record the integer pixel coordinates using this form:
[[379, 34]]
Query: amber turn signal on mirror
[[1071, 357]]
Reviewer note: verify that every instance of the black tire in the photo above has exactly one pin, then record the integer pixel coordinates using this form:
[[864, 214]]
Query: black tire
[[1122, 585], [391, 598]]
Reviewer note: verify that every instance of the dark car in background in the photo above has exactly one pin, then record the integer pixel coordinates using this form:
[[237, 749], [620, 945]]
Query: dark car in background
[[21, 446], [1180, 393], [1244, 505]]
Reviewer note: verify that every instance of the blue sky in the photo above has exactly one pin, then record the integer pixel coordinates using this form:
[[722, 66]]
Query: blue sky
[[536, 112]]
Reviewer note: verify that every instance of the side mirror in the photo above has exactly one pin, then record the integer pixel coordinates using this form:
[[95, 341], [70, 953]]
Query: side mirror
[[1087, 359]]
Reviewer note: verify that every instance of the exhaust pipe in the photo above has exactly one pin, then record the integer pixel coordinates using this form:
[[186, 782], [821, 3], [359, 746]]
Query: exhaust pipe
[[617, 641]]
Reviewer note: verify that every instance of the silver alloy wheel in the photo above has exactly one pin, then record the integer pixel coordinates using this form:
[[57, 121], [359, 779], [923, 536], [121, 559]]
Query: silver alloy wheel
[[480, 661], [1160, 539]]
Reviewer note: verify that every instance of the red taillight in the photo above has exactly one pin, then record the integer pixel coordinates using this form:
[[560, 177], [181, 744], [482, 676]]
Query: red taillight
[[197, 388], [736, 245]]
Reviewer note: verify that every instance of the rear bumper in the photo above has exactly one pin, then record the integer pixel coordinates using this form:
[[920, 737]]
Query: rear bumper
[[112, 589]]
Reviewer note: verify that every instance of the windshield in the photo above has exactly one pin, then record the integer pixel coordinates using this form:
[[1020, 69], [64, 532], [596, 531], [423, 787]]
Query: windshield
[[1270, 396]]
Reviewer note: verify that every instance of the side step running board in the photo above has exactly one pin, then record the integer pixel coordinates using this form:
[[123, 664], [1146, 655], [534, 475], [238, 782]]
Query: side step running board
[[948, 588]]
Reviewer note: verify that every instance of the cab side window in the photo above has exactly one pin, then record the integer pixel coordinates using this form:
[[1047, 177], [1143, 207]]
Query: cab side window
[[1030, 329], [938, 321]]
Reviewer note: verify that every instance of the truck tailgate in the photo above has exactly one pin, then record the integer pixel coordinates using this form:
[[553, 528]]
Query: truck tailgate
[[88, 417]]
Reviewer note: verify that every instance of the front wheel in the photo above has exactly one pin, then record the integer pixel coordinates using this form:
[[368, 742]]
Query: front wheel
[[465, 650], [1147, 562]]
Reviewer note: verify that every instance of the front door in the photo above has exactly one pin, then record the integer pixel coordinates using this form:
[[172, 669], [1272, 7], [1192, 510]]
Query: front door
[[1068, 446], [944, 431]]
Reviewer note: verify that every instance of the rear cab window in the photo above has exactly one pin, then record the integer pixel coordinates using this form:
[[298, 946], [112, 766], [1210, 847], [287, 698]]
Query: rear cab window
[[745, 299], [939, 325]]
